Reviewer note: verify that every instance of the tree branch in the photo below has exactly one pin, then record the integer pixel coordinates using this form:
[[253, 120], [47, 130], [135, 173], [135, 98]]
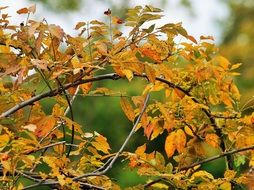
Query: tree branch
[[217, 157]]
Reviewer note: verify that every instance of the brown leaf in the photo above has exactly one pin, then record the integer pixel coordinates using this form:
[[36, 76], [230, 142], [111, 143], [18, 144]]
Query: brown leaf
[[79, 25], [56, 31]]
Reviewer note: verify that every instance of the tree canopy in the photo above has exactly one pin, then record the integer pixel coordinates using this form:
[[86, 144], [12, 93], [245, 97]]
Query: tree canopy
[[188, 100]]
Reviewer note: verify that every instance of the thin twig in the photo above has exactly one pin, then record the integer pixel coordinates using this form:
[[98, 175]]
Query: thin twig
[[121, 148]]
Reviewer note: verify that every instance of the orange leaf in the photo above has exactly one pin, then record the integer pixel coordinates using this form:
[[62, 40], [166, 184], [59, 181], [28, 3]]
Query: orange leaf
[[44, 126], [180, 139], [86, 87], [23, 11], [191, 38], [141, 150], [179, 93], [127, 108], [213, 140], [170, 145]]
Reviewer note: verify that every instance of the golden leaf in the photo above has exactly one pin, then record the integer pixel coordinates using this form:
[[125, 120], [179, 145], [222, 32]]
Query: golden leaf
[[150, 72], [188, 131], [180, 140], [170, 145], [4, 139], [101, 144], [128, 73], [141, 150], [127, 108]]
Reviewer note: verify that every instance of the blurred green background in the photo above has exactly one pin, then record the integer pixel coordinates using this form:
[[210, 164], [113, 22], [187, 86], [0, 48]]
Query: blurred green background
[[103, 114]]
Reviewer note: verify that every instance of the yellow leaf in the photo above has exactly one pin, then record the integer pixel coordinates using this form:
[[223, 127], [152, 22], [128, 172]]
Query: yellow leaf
[[201, 175], [230, 174], [127, 108], [226, 99], [223, 62], [213, 140], [128, 73], [4, 139], [235, 66], [101, 144], [57, 110], [141, 150], [188, 131], [170, 145], [150, 72], [225, 186], [180, 140]]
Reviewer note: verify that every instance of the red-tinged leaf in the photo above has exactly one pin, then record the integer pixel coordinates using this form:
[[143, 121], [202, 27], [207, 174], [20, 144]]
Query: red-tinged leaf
[[149, 129], [56, 31], [116, 20], [127, 108], [191, 38], [23, 11], [170, 145], [32, 8], [180, 140], [206, 38], [44, 126], [79, 25]]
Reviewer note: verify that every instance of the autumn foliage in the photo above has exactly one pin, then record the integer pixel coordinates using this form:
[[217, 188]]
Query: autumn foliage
[[199, 108]]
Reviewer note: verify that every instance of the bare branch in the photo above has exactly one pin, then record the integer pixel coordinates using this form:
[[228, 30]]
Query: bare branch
[[121, 148]]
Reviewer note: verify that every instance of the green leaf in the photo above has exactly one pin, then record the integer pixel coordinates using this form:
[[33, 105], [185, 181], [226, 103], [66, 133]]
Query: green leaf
[[239, 160], [150, 29]]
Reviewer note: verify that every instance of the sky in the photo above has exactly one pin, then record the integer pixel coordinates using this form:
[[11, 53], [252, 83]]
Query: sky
[[207, 13]]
